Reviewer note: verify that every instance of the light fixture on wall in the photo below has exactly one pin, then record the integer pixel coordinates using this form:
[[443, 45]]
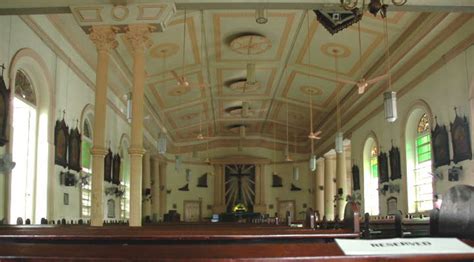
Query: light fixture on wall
[[261, 16]]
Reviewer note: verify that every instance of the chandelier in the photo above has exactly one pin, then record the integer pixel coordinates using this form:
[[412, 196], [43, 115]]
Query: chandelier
[[337, 20], [374, 7]]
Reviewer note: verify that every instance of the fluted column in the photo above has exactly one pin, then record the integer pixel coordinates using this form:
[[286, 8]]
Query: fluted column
[[138, 37], [104, 40], [219, 195], [341, 183], [260, 205], [329, 184], [146, 188], [155, 189], [319, 188], [163, 189]]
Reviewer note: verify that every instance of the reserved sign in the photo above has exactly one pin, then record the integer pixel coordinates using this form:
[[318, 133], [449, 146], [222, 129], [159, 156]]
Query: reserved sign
[[397, 246]]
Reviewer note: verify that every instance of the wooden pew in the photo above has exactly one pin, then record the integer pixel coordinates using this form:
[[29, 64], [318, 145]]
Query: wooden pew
[[377, 227], [179, 232], [215, 252]]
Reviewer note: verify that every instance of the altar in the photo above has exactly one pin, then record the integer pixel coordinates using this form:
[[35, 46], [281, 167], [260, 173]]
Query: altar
[[239, 180]]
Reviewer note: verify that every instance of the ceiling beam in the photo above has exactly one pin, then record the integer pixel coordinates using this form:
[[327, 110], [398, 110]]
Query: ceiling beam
[[29, 7]]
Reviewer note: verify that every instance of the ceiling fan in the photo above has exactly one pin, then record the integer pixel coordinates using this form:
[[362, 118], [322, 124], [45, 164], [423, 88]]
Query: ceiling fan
[[362, 83], [183, 82]]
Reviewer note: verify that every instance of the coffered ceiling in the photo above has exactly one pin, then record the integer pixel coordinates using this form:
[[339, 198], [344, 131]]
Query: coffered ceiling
[[294, 56]]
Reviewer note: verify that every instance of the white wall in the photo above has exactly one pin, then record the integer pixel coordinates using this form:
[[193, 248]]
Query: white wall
[[70, 93], [445, 89]]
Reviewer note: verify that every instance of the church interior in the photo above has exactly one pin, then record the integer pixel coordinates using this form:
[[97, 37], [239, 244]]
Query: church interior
[[213, 124]]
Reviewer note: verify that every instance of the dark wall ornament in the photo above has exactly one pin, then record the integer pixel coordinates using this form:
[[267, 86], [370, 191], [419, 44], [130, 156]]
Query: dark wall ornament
[[461, 139], [108, 166], [440, 144], [202, 180], [395, 167], [61, 140], [67, 179], [4, 106], [116, 169], [355, 177], [277, 181], [74, 150], [383, 167]]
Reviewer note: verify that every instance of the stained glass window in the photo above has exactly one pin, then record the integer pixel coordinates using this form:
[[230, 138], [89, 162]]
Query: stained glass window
[[23, 88], [423, 180], [371, 179], [86, 145], [424, 124]]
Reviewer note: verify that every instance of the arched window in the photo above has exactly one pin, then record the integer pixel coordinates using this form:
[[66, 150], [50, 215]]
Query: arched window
[[423, 182], [418, 159], [371, 177], [24, 146], [86, 160], [124, 179]]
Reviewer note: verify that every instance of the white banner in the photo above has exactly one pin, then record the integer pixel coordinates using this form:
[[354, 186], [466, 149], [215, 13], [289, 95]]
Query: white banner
[[398, 246]]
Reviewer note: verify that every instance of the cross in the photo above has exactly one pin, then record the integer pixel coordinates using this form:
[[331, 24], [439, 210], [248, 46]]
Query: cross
[[241, 172]]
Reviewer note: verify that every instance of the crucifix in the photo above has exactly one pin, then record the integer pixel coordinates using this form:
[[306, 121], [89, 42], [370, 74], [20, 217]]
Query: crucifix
[[239, 172]]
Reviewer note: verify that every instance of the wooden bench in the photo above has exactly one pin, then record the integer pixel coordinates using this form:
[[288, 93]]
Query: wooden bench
[[193, 252]]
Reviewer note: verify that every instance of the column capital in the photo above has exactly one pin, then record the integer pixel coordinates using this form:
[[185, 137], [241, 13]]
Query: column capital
[[138, 35], [103, 37], [136, 151], [99, 151]]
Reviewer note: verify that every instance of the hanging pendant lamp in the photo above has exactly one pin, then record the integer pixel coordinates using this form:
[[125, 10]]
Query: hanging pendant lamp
[[389, 97], [339, 135]]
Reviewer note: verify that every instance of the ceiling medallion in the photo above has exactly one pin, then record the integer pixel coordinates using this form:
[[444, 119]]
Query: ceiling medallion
[[164, 50], [335, 21], [311, 90], [296, 116], [335, 49], [179, 90], [241, 86], [250, 44], [189, 116]]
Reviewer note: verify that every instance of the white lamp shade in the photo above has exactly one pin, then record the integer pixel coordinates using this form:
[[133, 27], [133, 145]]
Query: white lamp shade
[[177, 159], [296, 173], [339, 142], [312, 163], [129, 107], [162, 144], [188, 175], [390, 105], [251, 74]]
